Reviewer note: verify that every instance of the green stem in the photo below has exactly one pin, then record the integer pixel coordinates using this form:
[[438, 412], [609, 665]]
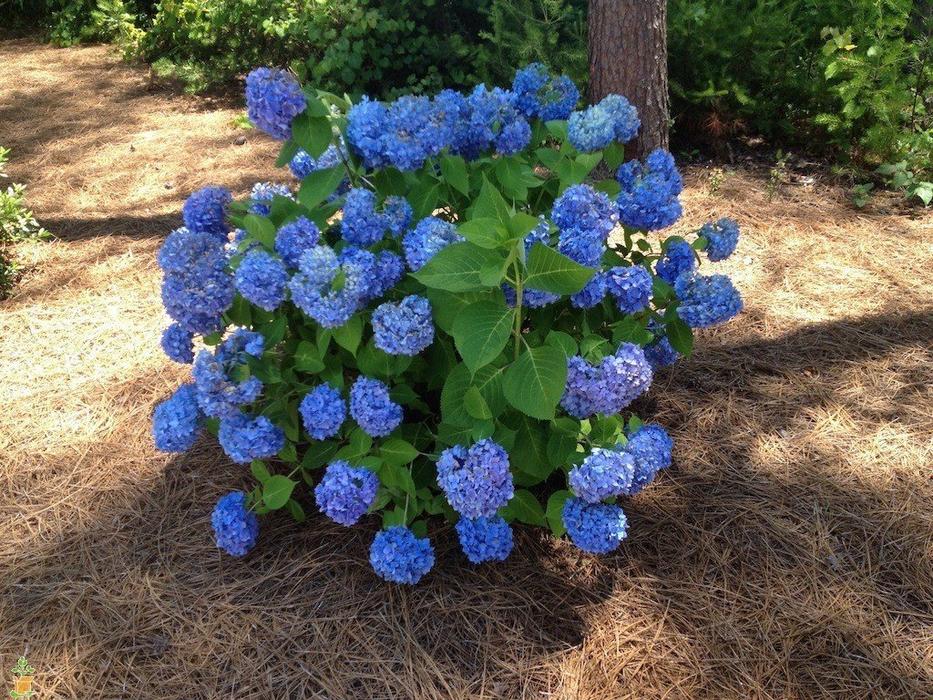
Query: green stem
[[518, 309]]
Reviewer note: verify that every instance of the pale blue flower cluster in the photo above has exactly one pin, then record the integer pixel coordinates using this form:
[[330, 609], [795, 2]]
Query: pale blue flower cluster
[[361, 224], [649, 196], [722, 238], [323, 410], [678, 257], [650, 449], [597, 528], [403, 328], [604, 473], [196, 287], [220, 394], [345, 493], [612, 119], [536, 93], [485, 539], [235, 527], [176, 421], [476, 480], [706, 300], [427, 239], [177, 342], [244, 438], [330, 288], [660, 353], [273, 99], [630, 287], [261, 278], [303, 164], [294, 238], [263, 193], [205, 211], [372, 407], [399, 556], [607, 389]]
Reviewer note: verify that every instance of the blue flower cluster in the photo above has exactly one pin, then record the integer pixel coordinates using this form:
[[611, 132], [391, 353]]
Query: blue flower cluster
[[330, 288], [177, 342], [678, 257], [261, 279], [604, 473], [372, 407], [721, 237], [536, 93], [427, 239], [649, 196], [323, 410], [345, 493], [597, 528], [650, 449], [273, 99], [612, 119], [476, 481], [196, 285], [405, 328], [630, 287], [660, 353], [263, 193], [205, 211], [361, 224], [177, 420], [294, 238], [607, 389], [706, 300], [235, 527], [245, 439], [399, 556], [220, 394], [484, 539], [303, 164]]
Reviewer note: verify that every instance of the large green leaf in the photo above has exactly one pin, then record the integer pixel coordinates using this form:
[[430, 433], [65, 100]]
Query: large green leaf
[[551, 271], [313, 134], [276, 490], [458, 268], [529, 455], [454, 170], [319, 185], [679, 334], [535, 382], [555, 512], [524, 507], [490, 204], [481, 332], [484, 232]]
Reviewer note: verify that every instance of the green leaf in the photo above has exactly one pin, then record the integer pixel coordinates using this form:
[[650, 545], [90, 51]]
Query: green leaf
[[425, 198], [396, 476], [562, 340], [481, 331], [398, 451], [632, 329], [476, 405], [319, 185], [258, 468], [679, 334], [394, 517], [555, 512], [535, 382], [529, 456], [454, 170], [457, 268], [348, 335], [524, 507], [490, 204], [313, 134], [274, 331], [307, 358], [484, 232], [551, 271], [261, 229], [446, 306], [489, 380], [296, 511], [276, 491], [614, 155], [318, 454], [453, 394], [286, 153]]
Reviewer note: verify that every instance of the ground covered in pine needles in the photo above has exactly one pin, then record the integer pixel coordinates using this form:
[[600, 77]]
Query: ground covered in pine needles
[[787, 554]]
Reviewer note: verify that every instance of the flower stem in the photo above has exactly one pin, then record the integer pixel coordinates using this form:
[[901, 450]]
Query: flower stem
[[518, 309]]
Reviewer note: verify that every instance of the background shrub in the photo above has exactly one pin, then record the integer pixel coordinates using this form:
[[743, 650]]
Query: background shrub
[[17, 223]]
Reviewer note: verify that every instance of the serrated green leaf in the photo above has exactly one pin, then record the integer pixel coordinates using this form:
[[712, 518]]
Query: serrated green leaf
[[313, 134], [260, 229], [490, 204], [535, 382], [348, 335], [555, 512], [679, 334], [524, 508], [457, 268], [481, 331], [397, 451], [484, 232], [307, 358], [259, 471], [476, 405], [550, 271], [319, 185], [454, 170], [276, 491]]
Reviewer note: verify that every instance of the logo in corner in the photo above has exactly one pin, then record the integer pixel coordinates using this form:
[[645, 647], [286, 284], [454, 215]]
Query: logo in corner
[[22, 682]]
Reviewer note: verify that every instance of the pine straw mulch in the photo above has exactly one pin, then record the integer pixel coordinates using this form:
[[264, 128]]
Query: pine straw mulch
[[787, 554]]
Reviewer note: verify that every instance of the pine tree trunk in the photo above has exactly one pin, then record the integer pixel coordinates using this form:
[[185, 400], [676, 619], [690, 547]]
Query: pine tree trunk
[[628, 56]]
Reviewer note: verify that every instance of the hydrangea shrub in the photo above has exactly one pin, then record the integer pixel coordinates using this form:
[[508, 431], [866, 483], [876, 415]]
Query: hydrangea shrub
[[447, 316]]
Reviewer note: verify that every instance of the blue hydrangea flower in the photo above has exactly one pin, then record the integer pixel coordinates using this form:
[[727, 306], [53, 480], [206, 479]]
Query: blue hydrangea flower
[[591, 129], [219, 394], [323, 410], [302, 164], [389, 272], [177, 420], [361, 224], [235, 527], [585, 246], [660, 353], [399, 556], [294, 238], [607, 389], [592, 294], [630, 287], [596, 528], [624, 117], [197, 286], [345, 493], [405, 328], [603, 474], [538, 94], [371, 407], [178, 344], [412, 134], [313, 288], [205, 211], [426, 240], [706, 300], [273, 99], [580, 208], [361, 274], [578, 398], [245, 439], [514, 137], [476, 481], [263, 193], [485, 539], [487, 118], [649, 196], [261, 279], [678, 258], [366, 130], [650, 448], [398, 213], [722, 238]]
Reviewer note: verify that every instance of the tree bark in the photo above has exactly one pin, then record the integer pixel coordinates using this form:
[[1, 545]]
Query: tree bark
[[628, 56]]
